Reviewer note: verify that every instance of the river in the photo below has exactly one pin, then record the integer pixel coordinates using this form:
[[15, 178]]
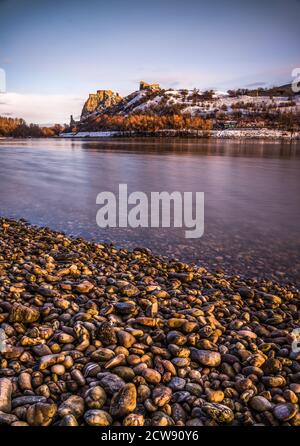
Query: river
[[251, 188]]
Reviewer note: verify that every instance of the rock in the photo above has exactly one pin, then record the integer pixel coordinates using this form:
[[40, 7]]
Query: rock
[[5, 395], [125, 338], [47, 292], [272, 366], [246, 292], [84, 287], [107, 334], [126, 373], [218, 412], [130, 290], [23, 314], [146, 321], [243, 384], [206, 357], [102, 355], [134, 419], [161, 294], [24, 381], [260, 404], [285, 412], [125, 307], [273, 381], [95, 397], [124, 401], [26, 400], [151, 376], [97, 418], [50, 360], [114, 362], [175, 337], [58, 369], [215, 396], [74, 405], [247, 334], [100, 101], [177, 383], [194, 389], [161, 395], [295, 387], [69, 420], [194, 422], [161, 419], [7, 419], [111, 383], [41, 414]]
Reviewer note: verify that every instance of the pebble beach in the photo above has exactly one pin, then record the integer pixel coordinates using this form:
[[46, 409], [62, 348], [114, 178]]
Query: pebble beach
[[99, 336]]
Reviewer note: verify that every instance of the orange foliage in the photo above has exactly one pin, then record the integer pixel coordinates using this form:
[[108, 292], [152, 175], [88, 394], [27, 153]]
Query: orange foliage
[[147, 123], [15, 127]]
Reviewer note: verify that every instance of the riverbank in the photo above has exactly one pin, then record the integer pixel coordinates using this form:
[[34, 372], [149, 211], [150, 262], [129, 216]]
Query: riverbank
[[100, 336], [263, 133]]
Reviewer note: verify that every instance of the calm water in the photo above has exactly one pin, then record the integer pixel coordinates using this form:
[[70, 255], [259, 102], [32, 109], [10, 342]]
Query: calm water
[[252, 195]]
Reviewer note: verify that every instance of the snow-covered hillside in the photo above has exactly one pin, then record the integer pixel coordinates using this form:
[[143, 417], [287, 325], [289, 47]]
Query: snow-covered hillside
[[196, 103], [241, 108]]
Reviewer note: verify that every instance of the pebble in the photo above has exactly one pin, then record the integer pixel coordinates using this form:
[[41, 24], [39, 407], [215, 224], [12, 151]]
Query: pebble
[[84, 287], [97, 418], [218, 412], [284, 412], [260, 404], [124, 401], [74, 405], [151, 376], [206, 357]]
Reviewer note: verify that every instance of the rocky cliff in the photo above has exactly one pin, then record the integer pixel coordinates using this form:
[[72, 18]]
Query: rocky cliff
[[98, 102]]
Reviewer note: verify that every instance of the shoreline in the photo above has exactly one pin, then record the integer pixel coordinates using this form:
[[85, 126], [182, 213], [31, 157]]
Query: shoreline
[[102, 336], [227, 134], [243, 134]]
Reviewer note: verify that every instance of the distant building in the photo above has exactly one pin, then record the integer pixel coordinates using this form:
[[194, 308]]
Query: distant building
[[72, 121], [145, 86]]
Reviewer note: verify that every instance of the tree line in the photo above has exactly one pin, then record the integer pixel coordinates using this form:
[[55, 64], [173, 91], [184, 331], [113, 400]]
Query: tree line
[[17, 128], [144, 123]]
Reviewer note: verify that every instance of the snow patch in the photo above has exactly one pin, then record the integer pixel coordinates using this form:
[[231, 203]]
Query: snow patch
[[88, 134]]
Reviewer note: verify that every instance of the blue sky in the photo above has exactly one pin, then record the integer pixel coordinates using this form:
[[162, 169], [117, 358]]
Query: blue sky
[[64, 50]]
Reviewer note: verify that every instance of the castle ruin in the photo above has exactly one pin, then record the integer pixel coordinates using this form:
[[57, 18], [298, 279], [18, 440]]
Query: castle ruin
[[145, 86]]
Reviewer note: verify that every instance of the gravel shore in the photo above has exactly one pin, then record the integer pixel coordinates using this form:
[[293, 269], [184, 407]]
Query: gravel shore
[[94, 335]]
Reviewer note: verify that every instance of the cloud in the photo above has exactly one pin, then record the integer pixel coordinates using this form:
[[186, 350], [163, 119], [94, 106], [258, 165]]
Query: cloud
[[256, 84], [40, 109]]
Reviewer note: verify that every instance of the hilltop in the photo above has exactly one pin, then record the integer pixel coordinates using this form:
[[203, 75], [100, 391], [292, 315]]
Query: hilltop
[[152, 108]]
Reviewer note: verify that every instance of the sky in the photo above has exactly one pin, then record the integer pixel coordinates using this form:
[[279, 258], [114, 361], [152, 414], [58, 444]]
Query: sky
[[54, 53]]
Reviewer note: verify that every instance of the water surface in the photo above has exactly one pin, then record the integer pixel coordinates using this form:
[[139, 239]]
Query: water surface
[[252, 195]]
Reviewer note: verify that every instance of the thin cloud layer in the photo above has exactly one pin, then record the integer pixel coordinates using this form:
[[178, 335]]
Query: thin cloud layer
[[40, 109]]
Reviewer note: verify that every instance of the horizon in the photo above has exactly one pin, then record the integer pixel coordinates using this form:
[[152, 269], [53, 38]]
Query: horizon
[[54, 57]]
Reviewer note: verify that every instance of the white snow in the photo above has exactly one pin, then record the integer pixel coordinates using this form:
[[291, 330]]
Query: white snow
[[136, 98], [220, 93], [255, 133], [88, 134], [149, 103]]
